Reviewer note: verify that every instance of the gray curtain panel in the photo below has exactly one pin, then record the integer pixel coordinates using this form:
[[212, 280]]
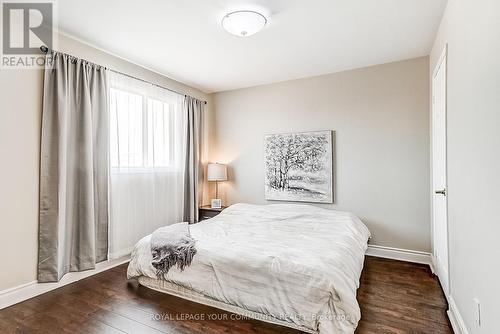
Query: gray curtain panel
[[73, 223], [193, 176]]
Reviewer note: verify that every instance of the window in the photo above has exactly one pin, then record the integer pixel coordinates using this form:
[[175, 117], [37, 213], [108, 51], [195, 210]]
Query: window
[[147, 140], [143, 131]]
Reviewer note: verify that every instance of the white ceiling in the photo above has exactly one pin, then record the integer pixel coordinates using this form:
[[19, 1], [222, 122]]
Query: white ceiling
[[183, 39]]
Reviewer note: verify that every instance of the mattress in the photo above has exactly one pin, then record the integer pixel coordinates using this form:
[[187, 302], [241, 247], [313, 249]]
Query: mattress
[[296, 264], [188, 294]]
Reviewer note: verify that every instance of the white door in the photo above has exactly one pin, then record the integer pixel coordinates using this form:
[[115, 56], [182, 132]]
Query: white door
[[439, 201]]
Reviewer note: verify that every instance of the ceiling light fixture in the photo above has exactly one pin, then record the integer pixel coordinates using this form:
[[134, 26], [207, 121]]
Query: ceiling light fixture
[[243, 23]]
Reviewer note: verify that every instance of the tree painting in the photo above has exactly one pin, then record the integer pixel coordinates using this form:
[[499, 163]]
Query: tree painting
[[299, 167]]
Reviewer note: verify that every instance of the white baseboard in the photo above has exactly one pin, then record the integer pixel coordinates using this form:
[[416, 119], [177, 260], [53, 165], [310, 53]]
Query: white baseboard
[[400, 254], [32, 289], [29, 290], [433, 265], [456, 320]]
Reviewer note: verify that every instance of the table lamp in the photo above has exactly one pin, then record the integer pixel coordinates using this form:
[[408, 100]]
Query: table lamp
[[216, 172]]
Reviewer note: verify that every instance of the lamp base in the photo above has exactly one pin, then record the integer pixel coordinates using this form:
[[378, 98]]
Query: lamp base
[[216, 203]]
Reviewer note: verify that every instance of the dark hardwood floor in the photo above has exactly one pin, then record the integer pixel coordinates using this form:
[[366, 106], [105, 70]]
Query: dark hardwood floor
[[395, 297]]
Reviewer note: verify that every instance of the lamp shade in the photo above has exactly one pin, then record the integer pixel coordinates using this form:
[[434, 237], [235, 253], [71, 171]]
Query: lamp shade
[[216, 172]]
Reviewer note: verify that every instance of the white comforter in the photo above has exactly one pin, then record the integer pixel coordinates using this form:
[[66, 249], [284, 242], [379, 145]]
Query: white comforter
[[297, 263]]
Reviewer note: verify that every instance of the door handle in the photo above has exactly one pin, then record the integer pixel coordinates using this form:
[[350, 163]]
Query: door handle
[[441, 192]]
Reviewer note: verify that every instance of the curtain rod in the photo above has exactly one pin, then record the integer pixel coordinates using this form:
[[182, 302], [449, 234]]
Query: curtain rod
[[45, 49]]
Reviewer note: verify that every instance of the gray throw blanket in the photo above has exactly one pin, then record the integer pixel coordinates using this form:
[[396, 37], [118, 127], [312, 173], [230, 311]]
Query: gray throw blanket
[[172, 245]]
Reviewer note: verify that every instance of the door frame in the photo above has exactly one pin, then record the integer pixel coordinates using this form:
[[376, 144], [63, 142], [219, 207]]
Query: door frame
[[442, 61]]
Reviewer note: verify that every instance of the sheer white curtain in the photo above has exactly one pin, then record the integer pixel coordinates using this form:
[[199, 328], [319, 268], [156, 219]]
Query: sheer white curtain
[[146, 158]]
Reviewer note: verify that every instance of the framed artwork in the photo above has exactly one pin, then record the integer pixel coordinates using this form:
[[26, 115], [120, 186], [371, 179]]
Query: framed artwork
[[216, 203], [299, 166]]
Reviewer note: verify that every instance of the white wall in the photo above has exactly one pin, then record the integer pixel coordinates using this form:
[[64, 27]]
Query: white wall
[[20, 120], [472, 31], [20, 117], [381, 118]]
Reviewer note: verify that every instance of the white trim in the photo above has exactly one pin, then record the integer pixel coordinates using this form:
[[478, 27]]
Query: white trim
[[28, 290], [32, 289], [442, 56], [400, 254], [443, 60], [456, 320], [433, 264]]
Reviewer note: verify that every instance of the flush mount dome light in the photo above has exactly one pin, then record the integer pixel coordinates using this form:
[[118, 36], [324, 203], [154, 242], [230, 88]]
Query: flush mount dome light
[[243, 23]]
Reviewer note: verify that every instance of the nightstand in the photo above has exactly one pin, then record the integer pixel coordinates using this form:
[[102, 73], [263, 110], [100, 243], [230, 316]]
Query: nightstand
[[206, 212]]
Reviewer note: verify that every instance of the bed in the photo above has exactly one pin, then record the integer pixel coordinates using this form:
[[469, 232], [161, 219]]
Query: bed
[[293, 265]]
